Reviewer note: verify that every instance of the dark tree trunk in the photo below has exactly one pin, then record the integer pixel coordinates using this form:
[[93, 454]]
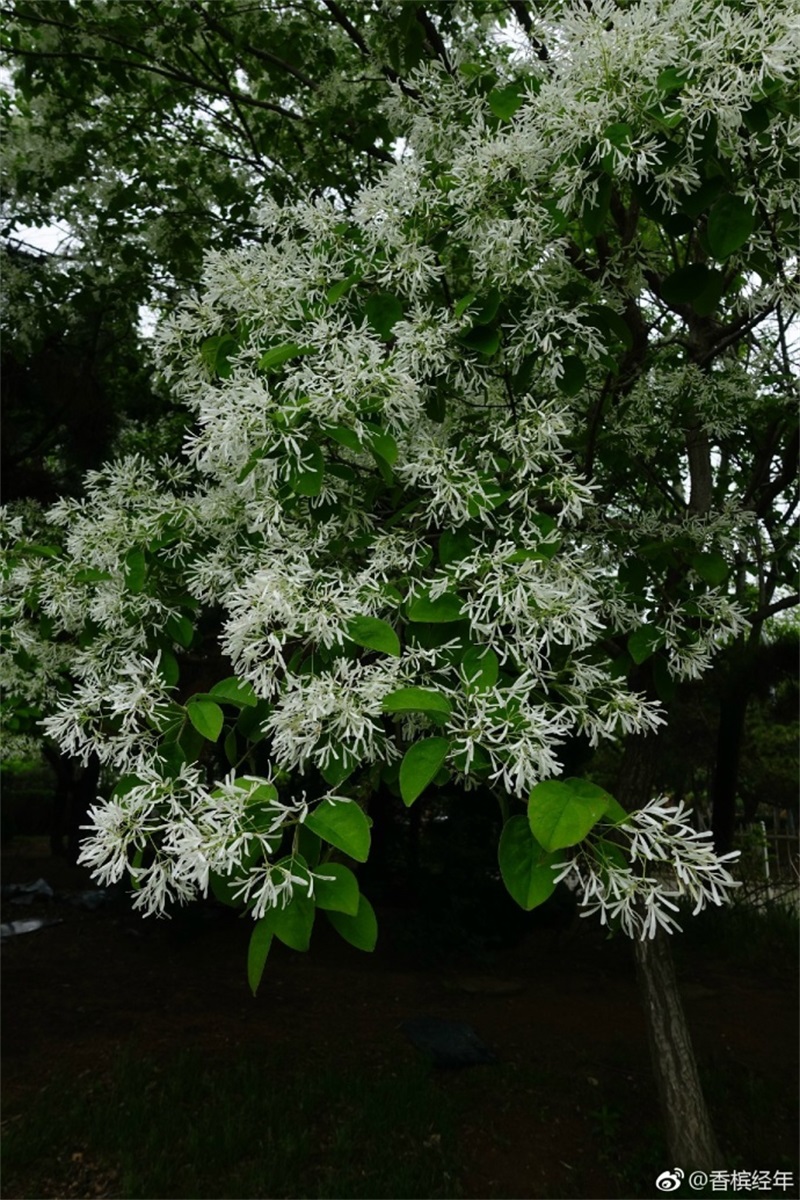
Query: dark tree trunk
[[687, 1124]]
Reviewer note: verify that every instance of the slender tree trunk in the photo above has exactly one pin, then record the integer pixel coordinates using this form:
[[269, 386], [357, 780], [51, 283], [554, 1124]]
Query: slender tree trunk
[[687, 1124]]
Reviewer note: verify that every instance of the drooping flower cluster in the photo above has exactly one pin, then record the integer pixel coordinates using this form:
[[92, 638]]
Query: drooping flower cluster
[[171, 833], [653, 860]]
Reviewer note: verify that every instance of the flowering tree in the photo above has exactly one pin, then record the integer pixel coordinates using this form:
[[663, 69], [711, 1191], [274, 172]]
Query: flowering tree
[[465, 480]]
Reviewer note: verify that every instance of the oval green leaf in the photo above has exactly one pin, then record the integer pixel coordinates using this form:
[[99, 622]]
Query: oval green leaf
[[235, 691], [342, 824], [730, 223], [643, 642], [505, 101], [374, 634], [561, 812], [135, 571], [207, 718], [306, 479], [415, 699], [711, 567], [444, 608], [339, 891], [421, 764], [361, 930], [292, 925], [278, 355], [573, 375], [480, 668], [383, 312], [524, 864]]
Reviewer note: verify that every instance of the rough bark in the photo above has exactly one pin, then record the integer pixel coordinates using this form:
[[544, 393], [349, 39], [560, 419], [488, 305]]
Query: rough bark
[[687, 1124]]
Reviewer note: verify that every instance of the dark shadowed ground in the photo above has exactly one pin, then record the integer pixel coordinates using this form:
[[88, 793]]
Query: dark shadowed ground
[[568, 1111]]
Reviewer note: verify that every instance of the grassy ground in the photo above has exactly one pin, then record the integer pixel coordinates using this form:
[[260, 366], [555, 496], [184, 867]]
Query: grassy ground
[[251, 1127], [138, 1065]]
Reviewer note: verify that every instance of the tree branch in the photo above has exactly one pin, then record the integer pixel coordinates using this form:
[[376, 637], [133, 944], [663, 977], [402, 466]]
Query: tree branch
[[777, 606], [434, 38]]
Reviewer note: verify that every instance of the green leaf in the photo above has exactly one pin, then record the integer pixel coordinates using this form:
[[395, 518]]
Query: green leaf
[[487, 309], [505, 101], [643, 642], [416, 699], [671, 80], [337, 290], [308, 845], [446, 607], [383, 312], [524, 865], [615, 814], [342, 824], [608, 321], [480, 668], [573, 375], [421, 763], [561, 812], [91, 575], [383, 445], [595, 214], [463, 304], [338, 893], [730, 223], [697, 202], [180, 630], [361, 930], [619, 134], [292, 925], [231, 748], [216, 353], [374, 634], [345, 437], [278, 355], [258, 949], [711, 567], [124, 785], [483, 338], [168, 668], [697, 285], [207, 718], [455, 544], [251, 721], [235, 691], [306, 478], [135, 571], [340, 766]]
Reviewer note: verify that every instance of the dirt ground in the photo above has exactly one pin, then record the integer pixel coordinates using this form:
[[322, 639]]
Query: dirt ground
[[562, 1014]]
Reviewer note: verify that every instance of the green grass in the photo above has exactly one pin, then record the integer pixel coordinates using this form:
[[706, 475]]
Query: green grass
[[248, 1128]]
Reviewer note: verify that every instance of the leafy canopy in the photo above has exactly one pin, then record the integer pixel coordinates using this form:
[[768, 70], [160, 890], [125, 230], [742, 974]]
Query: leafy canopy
[[463, 457]]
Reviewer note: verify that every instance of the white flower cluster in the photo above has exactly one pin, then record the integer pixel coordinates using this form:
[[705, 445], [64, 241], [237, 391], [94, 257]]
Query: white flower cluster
[[652, 861], [171, 833]]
